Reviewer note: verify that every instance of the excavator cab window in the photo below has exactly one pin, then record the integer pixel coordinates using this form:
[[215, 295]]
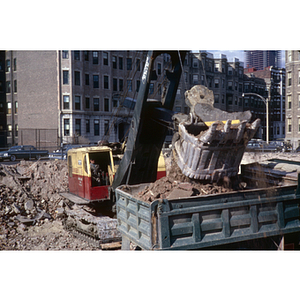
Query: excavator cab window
[[100, 166]]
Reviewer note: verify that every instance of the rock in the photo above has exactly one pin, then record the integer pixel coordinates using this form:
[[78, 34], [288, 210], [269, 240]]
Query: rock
[[29, 205]]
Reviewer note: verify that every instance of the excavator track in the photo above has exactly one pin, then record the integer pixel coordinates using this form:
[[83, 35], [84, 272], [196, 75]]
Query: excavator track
[[98, 230]]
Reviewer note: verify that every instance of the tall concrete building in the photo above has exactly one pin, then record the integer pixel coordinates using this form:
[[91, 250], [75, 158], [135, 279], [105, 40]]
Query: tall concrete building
[[56, 97], [292, 64], [260, 59]]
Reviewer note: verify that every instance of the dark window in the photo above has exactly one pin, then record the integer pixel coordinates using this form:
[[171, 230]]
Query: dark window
[[95, 57], [159, 69], [15, 86], [87, 126], [115, 84], [7, 69], [65, 54], [106, 104], [121, 63], [121, 85], [87, 79], [138, 83], [66, 102], [77, 78], [8, 87], [66, 127], [96, 81], [77, 102], [78, 126], [151, 88], [138, 64], [96, 127], [86, 55], [129, 64], [114, 61], [96, 104], [77, 55], [105, 58], [129, 85], [15, 64], [106, 85], [87, 102], [65, 77]]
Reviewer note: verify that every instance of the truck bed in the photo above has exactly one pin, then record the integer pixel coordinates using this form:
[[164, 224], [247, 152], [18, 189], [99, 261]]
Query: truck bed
[[201, 222]]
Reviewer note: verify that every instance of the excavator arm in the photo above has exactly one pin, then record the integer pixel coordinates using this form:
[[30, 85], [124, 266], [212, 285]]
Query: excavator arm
[[148, 128]]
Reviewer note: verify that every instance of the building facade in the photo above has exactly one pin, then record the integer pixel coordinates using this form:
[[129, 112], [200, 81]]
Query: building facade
[[73, 96], [292, 64], [3, 131], [260, 59]]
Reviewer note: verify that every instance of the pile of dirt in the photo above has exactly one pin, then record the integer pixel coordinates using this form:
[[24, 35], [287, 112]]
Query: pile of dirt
[[31, 209]]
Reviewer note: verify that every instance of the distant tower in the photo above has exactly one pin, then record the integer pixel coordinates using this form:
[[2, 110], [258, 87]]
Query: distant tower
[[261, 59]]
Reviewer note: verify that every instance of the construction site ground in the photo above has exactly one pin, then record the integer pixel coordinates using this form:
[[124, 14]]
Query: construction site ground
[[32, 210]]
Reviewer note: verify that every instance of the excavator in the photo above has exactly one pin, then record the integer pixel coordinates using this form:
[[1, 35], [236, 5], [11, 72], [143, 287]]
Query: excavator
[[141, 161]]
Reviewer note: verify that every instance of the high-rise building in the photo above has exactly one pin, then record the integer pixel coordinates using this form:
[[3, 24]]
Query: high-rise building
[[260, 59], [292, 65]]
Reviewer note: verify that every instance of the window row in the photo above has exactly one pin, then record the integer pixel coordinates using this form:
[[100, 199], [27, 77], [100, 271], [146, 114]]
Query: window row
[[116, 61], [8, 87], [95, 104], [8, 65], [88, 126]]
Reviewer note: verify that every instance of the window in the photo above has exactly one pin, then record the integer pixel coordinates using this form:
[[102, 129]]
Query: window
[[298, 100], [217, 67], [16, 129], [216, 83], [77, 77], [298, 124], [106, 104], [15, 64], [106, 127], [289, 56], [96, 81], [159, 69], [105, 58], [66, 127], [9, 128], [298, 77], [289, 79], [95, 57], [138, 64], [115, 84], [114, 62], [96, 127], [77, 103], [78, 126], [65, 54], [289, 125], [77, 55], [195, 78], [229, 100], [7, 69], [289, 99], [186, 76], [96, 104], [120, 63], [121, 83], [87, 102], [129, 85], [230, 85], [66, 101], [16, 107], [223, 98], [151, 88], [216, 98], [115, 103], [65, 77], [138, 83], [230, 70], [86, 55], [87, 79], [9, 108], [87, 126], [106, 85], [129, 64], [195, 62], [15, 86], [7, 87]]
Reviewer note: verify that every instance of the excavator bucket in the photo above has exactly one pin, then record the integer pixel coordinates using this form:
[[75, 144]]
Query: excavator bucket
[[210, 142]]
